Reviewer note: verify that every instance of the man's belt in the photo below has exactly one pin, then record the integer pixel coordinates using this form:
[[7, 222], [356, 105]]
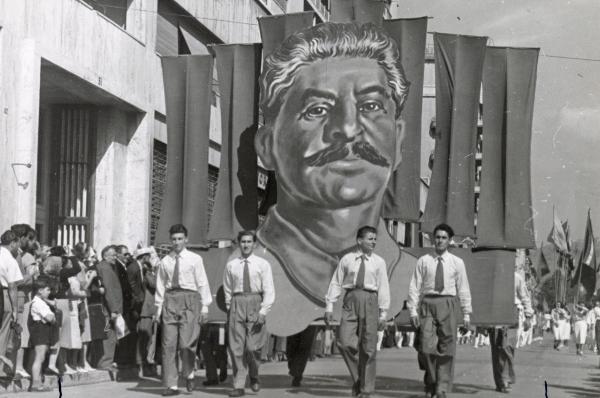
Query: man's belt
[[437, 295], [248, 294], [362, 289], [180, 289]]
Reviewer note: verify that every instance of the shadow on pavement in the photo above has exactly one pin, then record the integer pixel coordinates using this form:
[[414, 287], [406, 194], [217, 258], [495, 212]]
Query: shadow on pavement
[[589, 389]]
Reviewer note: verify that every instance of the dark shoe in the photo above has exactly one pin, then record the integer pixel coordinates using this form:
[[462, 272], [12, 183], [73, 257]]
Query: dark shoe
[[237, 392], [296, 381], [505, 389], [210, 382], [170, 392], [254, 385], [223, 375], [356, 389], [190, 385]]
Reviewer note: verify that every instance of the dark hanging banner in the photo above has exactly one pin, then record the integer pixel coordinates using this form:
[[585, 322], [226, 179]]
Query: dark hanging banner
[[361, 11], [402, 197], [188, 83], [274, 30], [505, 214], [458, 69], [238, 67]]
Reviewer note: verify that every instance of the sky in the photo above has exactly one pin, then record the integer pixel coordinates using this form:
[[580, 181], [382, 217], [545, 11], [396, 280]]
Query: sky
[[565, 158]]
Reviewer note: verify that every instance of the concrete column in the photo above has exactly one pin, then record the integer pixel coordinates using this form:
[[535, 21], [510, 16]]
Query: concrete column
[[19, 134]]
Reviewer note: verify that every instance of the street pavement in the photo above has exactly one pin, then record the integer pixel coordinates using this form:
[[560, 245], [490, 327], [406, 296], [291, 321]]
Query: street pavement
[[541, 372]]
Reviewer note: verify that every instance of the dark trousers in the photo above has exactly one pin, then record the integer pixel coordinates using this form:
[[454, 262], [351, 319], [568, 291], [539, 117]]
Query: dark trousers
[[180, 332], [109, 344], [503, 354], [245, 339], [437, 341], [298, 348], [357, 338], [214, 354]]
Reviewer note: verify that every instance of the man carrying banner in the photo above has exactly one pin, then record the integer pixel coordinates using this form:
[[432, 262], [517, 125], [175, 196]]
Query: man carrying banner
[[249, 295], [436, 283], [363, 275], [182, 298]]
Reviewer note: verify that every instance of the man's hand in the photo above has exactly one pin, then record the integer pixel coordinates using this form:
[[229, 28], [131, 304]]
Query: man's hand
[[382, 324], [101, 290], [414, 321], [260, 322], [114, 315], [203, 318], [155, 319], [328, 317], [14, 316]]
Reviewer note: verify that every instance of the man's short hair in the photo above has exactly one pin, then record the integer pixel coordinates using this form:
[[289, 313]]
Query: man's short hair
[[106, 249], [23, 230], [8, 237], [178, 229], [326, 41], [363, 231], [444, 227], [247, 232], [119, 248], [58, 251]]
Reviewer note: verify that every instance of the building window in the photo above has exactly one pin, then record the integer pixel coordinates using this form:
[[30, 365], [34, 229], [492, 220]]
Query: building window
[[115, 10]]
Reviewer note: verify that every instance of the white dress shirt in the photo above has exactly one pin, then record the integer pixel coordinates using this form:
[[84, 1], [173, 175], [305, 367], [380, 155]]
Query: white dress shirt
[[422, 282], [376, 279], [40, 310], [261, 280], [9, 268], [192, 276], [522, 295]]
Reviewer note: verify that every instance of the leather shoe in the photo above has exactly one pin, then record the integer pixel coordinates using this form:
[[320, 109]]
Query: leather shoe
[[210, 382], [356, 389], [190, 384], [254, 385], [170, 392], [237, 392], [504, 389], [296, 381], [223, 375]]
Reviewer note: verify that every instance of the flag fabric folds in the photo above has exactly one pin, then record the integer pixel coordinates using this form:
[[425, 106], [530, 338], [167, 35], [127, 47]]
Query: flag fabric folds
[[235, 207], [188, 83], [402, 197], [458, 70], [557, 234], [361, 11], [505, 218], [587, 270]]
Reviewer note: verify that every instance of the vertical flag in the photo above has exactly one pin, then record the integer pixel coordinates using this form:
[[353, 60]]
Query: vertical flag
[[402, 197], [361, 11], [557, 234], [236, 207], [458, 70], [274, 29], [505, 218], [586, 273], [188, 83]]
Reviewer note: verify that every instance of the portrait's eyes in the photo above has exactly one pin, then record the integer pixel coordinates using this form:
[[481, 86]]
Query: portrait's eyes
[[316, 111], [370, 106]]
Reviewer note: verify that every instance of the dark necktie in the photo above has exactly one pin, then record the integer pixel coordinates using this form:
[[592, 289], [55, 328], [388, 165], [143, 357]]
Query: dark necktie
[[246, 278], [439, 276], [175, 280], [360, 277]]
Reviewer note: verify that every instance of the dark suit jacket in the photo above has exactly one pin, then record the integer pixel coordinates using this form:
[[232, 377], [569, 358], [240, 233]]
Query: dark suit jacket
[[125, 287], [149, 309], [113, 295], [136, 282]]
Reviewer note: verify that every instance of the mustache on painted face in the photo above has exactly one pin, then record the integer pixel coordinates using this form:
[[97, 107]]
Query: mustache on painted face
[[363, 150]]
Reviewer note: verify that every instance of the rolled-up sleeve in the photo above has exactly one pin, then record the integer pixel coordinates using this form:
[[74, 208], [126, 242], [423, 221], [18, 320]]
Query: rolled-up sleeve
[[268, 288]]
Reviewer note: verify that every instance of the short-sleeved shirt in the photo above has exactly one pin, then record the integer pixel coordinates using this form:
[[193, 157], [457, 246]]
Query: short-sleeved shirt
[[39, 309], [9, 268]]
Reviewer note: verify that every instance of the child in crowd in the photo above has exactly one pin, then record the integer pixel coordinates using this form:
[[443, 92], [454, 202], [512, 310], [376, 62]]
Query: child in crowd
[[41, 331]]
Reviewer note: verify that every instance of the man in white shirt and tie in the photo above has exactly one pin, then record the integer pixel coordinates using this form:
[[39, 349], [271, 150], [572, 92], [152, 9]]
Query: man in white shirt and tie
[[363, 275], [182, 298], [435, 284], [249, 295]]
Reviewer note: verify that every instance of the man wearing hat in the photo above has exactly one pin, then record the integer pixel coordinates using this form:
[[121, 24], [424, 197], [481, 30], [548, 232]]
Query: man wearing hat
[[142, 279]]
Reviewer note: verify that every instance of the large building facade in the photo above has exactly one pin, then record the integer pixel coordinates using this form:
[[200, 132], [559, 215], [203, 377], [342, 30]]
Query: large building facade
[[82, 117]]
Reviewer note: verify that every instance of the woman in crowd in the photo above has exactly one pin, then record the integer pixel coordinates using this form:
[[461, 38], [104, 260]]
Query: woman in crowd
[[561, 326], [580, 325], [79, 287]]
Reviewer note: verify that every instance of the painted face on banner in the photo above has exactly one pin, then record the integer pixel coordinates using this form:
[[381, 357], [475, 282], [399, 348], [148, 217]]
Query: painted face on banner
[[336, 139]]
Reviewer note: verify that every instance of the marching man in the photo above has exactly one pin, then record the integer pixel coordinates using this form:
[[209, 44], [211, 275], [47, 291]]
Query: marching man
[[363, 275], [249, 295]]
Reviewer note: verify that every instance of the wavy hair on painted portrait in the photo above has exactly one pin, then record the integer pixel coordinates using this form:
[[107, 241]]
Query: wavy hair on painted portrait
[[325, 41]]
